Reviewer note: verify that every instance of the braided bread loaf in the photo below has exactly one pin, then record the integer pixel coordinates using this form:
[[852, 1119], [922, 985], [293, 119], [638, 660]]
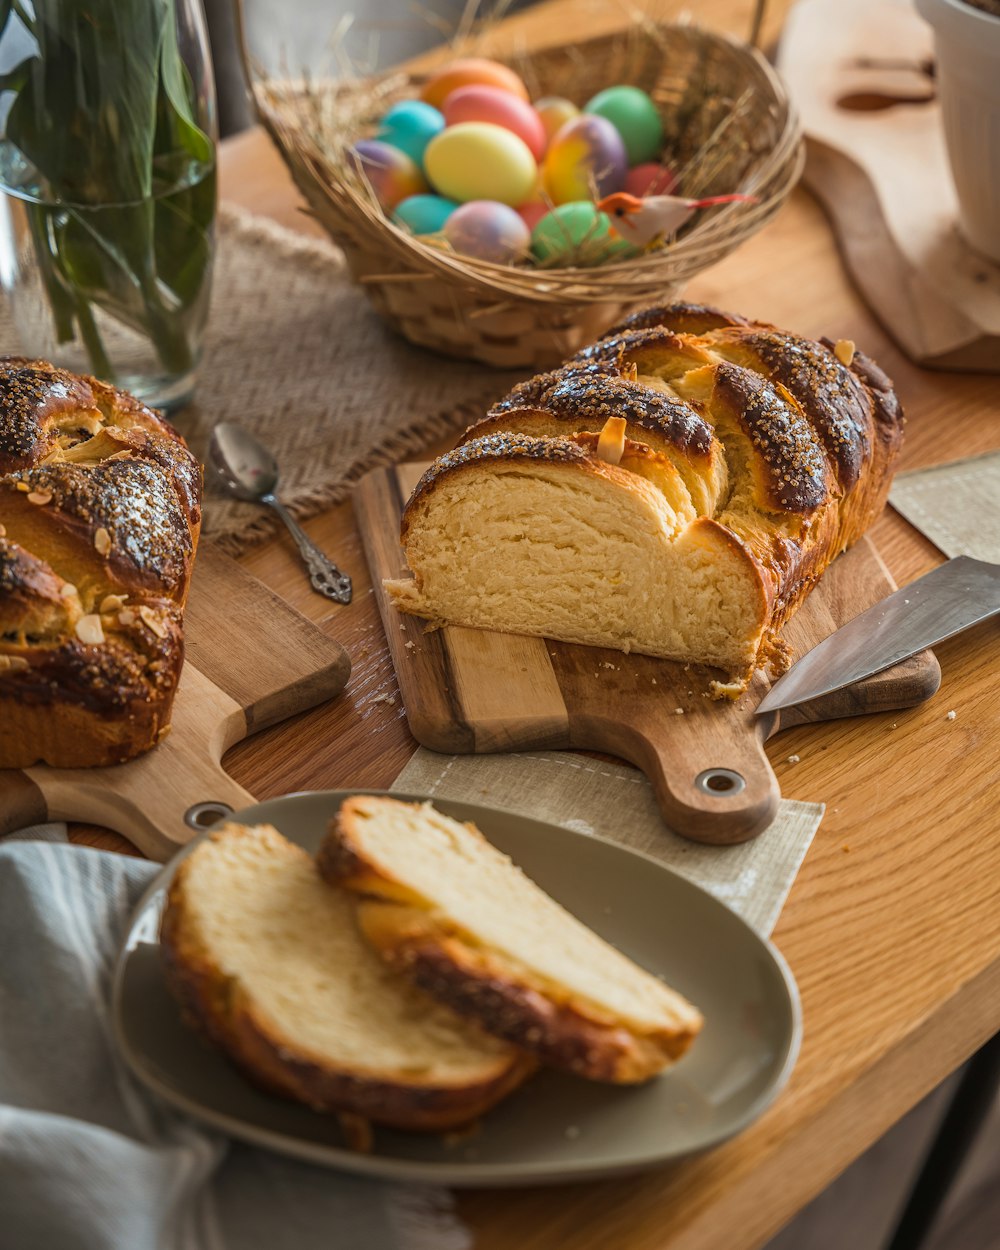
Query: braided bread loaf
[[746, 460], [100, 508]]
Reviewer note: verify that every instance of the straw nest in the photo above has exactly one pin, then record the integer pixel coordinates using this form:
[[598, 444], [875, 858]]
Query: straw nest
[[729, 127]]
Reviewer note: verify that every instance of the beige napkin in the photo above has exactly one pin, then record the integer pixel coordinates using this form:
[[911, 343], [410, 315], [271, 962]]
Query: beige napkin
[[616, 802], [956, 505]]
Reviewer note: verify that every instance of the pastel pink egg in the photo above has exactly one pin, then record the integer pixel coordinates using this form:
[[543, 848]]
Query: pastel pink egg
[[585, 161], [532, 212], [392, 174], [477, 103], [488, 230], [649, 179], [554, 112]]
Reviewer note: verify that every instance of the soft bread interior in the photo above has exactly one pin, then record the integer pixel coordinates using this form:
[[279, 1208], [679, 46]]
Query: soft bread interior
[[419, 857], [607, 557], [254, 904]]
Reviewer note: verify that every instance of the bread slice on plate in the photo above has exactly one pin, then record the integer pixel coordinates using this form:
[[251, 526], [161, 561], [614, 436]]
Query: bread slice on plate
[[268, 960], [465, 923]]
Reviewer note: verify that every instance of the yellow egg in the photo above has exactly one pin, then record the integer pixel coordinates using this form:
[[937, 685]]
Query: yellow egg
[[479, 161]]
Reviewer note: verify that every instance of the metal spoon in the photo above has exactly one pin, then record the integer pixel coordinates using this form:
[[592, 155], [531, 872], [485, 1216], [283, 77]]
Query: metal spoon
[[246, 469]]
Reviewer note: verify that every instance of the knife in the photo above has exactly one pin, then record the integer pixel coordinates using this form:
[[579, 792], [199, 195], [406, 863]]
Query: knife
[[942, 603]]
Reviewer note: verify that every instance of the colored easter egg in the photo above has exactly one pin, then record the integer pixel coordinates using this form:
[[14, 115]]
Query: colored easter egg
[[479, 161], [465, 72], [489, 231], [391, 173], [634, 116], [649, 179], [578, 233], [424, 214], [410, 125], [532, 212], [500, 108], [586, 160], [554, 112]]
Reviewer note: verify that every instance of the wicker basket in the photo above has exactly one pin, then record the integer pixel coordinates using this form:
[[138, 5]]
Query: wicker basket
[[729, 126]]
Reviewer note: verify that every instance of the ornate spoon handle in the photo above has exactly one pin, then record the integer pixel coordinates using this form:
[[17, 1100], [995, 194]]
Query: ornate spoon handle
[[323, 573]]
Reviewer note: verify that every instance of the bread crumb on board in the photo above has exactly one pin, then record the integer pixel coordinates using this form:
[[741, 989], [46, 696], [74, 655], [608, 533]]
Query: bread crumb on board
[[793, 759], [384, 697], [951, 715]]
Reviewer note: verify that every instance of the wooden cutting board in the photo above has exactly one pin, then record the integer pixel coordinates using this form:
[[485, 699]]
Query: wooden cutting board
[[252, 661], [469, 690], [877, 161]]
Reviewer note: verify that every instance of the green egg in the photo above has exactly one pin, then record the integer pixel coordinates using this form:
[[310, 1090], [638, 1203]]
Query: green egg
[[577, 233], [635, 117]]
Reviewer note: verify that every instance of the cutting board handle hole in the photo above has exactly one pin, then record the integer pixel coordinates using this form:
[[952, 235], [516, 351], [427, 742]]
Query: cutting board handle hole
[[720, 781], [202, 815]]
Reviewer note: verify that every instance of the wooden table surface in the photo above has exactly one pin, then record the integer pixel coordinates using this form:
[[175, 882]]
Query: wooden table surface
[[892, 928]]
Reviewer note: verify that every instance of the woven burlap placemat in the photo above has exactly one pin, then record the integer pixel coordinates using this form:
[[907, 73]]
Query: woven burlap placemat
[[295, 353], [612, 801]]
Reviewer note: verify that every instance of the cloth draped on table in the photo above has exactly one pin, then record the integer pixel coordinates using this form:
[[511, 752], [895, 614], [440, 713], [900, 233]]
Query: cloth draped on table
[[89, 1160]]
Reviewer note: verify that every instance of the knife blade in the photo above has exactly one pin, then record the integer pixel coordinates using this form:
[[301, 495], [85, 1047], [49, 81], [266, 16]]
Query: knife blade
[[953, 597]]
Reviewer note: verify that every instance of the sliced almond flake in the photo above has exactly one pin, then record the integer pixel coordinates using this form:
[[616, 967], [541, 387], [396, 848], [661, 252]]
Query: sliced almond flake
[[41, 497], [3, 531], [12, 663], [611, 443], [67, 590], [127, 617], [102, 541], [153, 622], [112, 603], [90, 630], [844, 351]]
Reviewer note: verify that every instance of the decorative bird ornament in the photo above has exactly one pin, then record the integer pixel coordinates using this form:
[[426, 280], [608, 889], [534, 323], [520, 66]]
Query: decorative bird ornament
[[644, 222]]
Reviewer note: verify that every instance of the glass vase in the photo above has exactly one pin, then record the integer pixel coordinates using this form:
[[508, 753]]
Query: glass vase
[[108, 188]]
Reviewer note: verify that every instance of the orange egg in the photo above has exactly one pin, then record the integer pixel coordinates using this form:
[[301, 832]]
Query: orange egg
[[471, 71]]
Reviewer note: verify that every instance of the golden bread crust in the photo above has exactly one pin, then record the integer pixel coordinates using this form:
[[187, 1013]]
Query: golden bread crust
[[100, 512]]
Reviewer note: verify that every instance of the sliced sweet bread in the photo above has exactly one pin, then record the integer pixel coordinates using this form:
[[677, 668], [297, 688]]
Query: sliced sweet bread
[[449, 909], [268, 960]]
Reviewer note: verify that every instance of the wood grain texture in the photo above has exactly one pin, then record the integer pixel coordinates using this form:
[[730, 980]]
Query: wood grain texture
[[253, 661], [892, 927], [255, 646], [471, 690]]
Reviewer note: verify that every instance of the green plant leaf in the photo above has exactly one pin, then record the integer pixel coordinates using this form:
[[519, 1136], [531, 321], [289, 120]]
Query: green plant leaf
[[106, 113]]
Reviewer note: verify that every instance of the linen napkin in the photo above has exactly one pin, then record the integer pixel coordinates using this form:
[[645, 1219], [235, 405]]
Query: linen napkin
[[955, 505], [616, 802], [88, 1160]]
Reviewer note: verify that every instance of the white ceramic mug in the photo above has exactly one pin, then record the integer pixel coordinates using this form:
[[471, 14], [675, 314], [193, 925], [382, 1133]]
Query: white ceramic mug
[[967, 46]]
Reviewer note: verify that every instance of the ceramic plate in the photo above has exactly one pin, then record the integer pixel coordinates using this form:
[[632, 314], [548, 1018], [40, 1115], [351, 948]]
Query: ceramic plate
[[556, 1127]]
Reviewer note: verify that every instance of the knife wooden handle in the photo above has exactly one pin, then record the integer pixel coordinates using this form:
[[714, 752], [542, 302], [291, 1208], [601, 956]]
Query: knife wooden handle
[[907, 683]]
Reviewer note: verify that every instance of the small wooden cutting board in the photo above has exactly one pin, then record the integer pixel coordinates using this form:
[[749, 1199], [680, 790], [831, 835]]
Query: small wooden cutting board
[[878, 163], [252, 661], [471, 690]]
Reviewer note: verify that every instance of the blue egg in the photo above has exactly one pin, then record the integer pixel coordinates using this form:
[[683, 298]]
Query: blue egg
[[424, 214], [410, 126]]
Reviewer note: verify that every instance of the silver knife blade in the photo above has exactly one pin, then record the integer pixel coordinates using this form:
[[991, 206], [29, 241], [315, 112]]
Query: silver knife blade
[[959, 594]]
